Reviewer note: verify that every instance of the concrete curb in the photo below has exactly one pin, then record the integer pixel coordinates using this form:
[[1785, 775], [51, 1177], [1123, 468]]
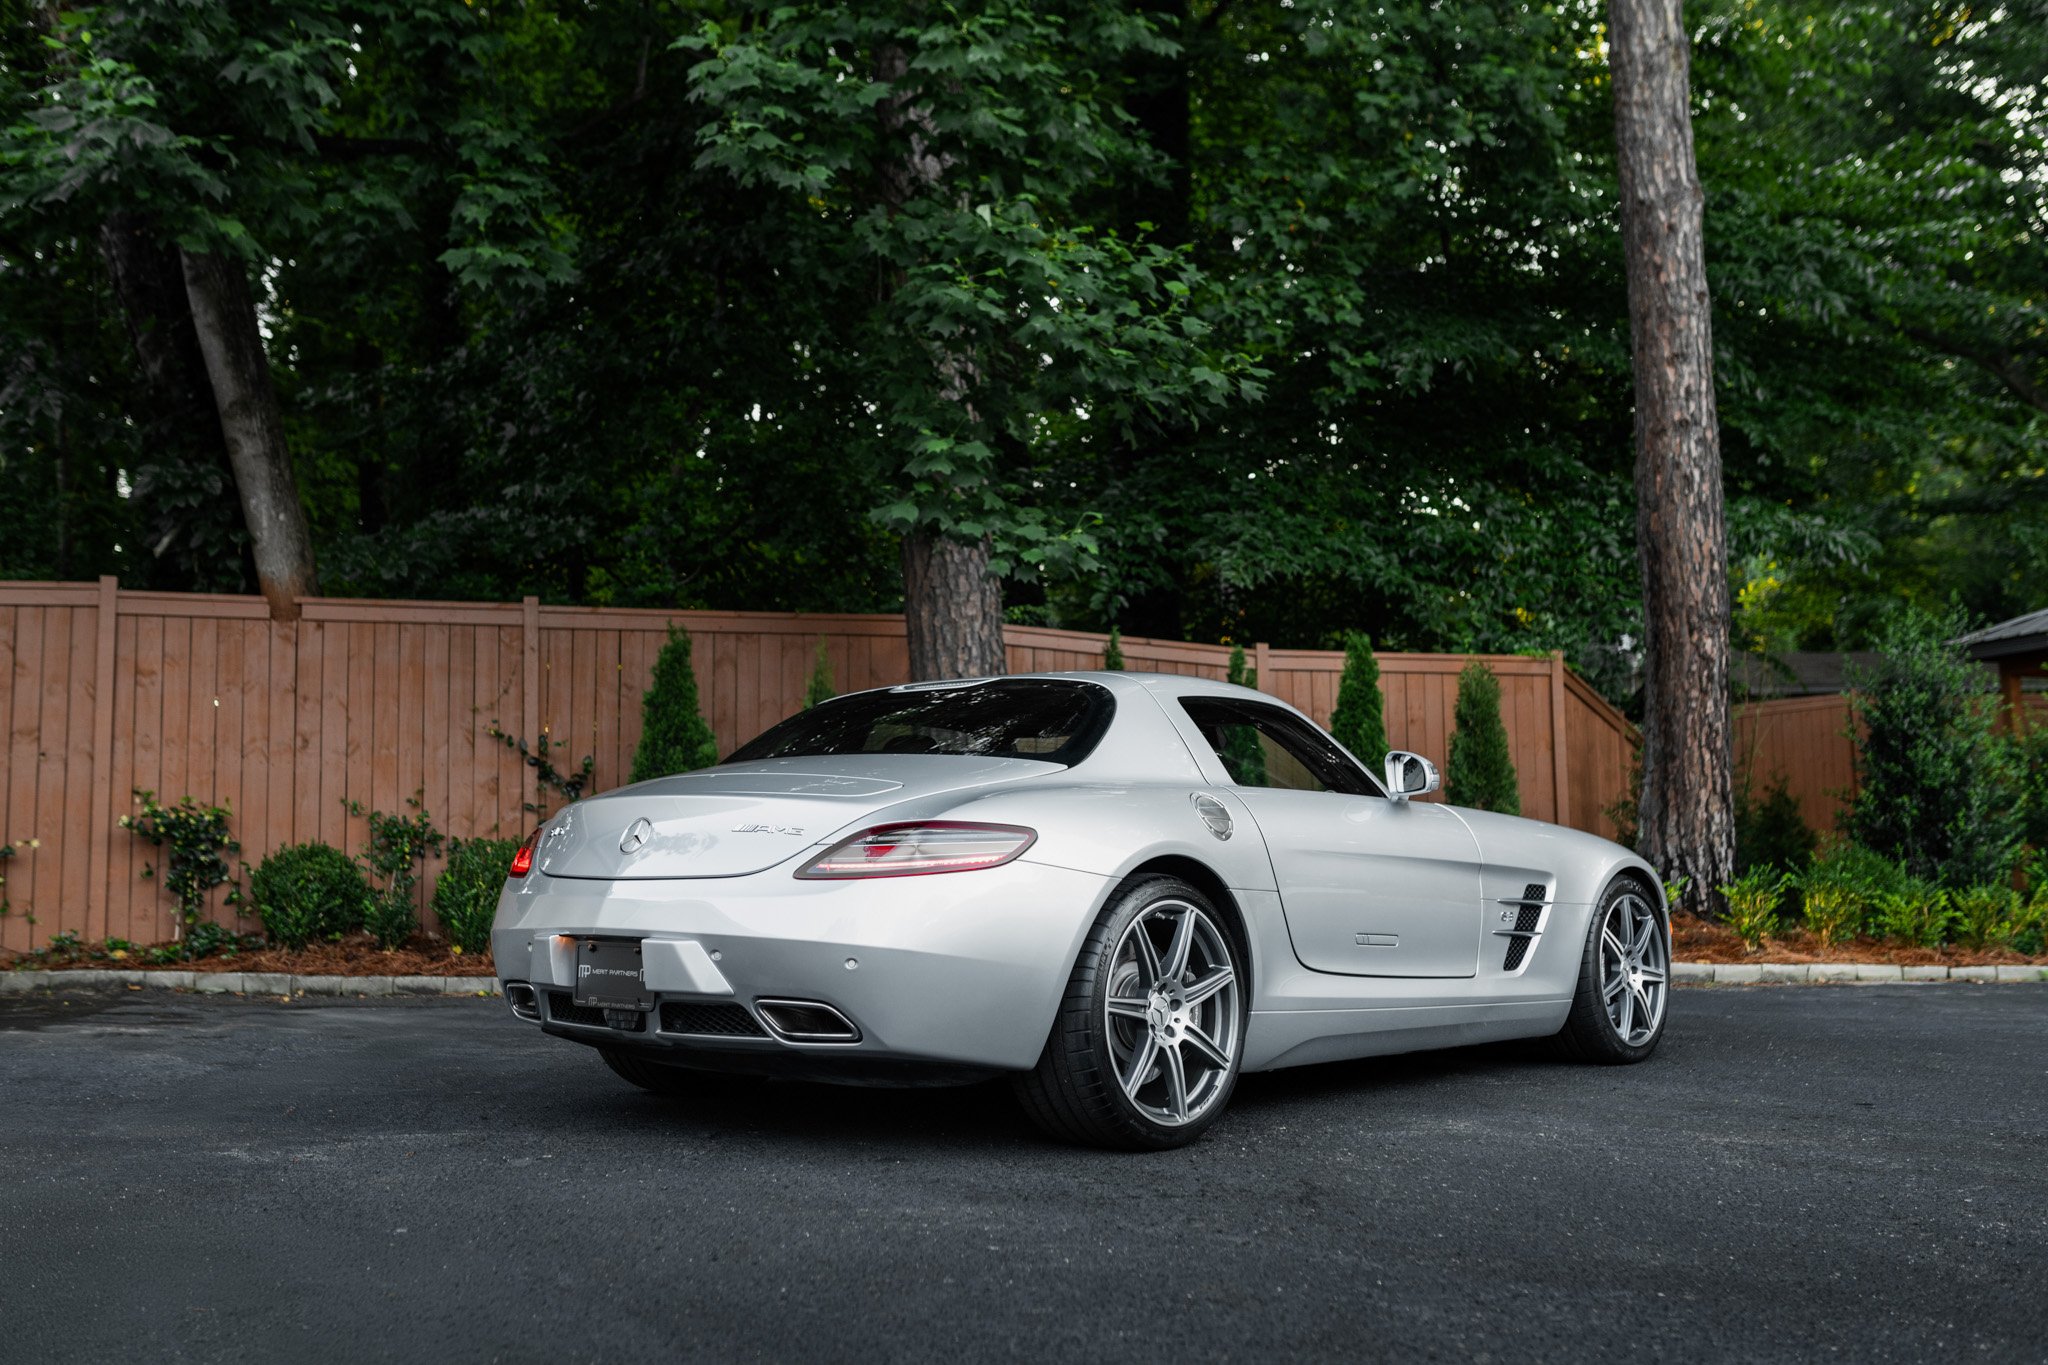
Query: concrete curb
[[278, 984], [1821, 973]]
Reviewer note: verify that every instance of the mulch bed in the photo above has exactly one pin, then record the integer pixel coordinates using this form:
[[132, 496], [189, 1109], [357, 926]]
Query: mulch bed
[[1696, 940], [357, 956]]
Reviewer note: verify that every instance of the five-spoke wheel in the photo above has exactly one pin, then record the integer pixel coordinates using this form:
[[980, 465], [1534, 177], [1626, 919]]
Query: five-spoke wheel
[[1618, 1008], [1146, 1048]]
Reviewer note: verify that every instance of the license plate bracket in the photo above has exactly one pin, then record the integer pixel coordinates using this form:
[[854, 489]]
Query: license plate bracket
[[609, 975]]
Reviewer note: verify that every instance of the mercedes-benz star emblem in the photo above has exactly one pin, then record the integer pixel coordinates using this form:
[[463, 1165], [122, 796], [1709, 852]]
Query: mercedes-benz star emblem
[[636, 835]]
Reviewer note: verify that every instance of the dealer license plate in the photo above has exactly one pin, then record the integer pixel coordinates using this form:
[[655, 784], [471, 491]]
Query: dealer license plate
[[608, 974]]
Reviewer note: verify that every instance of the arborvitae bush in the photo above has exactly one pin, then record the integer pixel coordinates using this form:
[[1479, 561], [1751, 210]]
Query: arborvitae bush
[[1930, 790], [1243, 754], [466, 898], [1360, 720], [673, 737], [305, 892], [1113, 652], [1771, 832], [820, 687], [1482, 773]]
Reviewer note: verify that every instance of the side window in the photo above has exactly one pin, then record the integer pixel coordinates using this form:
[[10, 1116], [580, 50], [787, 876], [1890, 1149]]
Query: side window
[[1263, 746]]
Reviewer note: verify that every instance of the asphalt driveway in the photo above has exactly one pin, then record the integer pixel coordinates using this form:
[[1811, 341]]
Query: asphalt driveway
[[1801, 1173]]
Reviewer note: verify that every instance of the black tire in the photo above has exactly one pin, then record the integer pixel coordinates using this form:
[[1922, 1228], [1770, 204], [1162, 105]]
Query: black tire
[[673, 1082], [1590, 1032], [1075, 1093]]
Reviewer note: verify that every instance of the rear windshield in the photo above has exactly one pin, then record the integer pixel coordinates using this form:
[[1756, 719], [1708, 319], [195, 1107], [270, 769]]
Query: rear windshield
[[1052, 721]]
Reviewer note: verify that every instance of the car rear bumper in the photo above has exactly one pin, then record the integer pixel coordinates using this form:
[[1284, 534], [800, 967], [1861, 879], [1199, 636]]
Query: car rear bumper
[[962, 971]]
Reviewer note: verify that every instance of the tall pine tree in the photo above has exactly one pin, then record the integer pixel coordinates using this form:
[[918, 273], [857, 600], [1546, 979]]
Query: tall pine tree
[[1360, 720], [1482, 773], [673, 735]]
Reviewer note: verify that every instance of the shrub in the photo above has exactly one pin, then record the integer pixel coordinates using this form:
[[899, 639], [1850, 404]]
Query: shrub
[[673, 737], [1753, 900], [399, 846], [819, 687], [467, 897], [1988, 916], [1840, 890], [1243, 754], [1482, 772], [1928, 770], [1771, 832], [2027, 773], [305, 892], [1917, 912], [1113, 652], [1360, 721]]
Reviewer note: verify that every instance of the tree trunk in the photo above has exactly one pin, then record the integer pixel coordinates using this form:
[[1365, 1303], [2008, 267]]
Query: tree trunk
[[952, 608], [1687, 811], [952, 603], [253, 428]]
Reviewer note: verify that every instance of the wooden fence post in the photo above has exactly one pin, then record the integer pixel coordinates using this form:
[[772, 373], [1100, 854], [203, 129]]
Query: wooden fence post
[[529, 644], [1262, 660], [99, 856], [1559, 768]]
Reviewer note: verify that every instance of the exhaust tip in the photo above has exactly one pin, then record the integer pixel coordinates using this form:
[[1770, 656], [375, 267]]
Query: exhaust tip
[[806, 1021], [523, 1001]]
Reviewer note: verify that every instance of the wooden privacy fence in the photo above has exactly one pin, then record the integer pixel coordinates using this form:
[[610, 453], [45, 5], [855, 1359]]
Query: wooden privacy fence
[[1805, 741], [103, 691]]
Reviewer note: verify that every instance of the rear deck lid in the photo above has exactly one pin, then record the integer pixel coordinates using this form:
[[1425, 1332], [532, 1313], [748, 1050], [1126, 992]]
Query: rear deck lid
[[731, 821]]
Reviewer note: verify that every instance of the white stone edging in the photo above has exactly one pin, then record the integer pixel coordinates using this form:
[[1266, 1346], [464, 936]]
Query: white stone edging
[[1822, 973], [278, 984]]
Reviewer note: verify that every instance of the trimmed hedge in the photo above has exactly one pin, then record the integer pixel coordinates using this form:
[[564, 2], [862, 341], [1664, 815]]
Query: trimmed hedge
[[466, 899], [311, 891]]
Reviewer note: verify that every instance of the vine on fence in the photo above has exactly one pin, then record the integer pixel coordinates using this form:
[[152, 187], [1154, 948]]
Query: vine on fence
[[198, 839], [547, 777], [8, 851], [399, 846]]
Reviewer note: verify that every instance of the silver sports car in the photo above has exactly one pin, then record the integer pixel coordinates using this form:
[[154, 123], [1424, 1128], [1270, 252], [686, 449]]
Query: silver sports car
[[1121, 889]]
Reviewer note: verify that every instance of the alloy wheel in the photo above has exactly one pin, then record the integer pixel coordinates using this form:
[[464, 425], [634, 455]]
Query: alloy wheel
[[1635, 969], [1173, 1022]]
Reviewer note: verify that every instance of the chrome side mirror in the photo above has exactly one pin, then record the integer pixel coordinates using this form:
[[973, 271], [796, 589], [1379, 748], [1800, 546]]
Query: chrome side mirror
[[1409, 775]]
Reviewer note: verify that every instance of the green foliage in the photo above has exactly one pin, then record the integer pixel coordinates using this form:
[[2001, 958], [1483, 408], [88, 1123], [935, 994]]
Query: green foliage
[[1928, 775], [198, 843], [304, 892], [466, 897], [1243, 754], [1842, 888], [1359, 721], [1753, 901], [2026, 766], [7, 852], [673, 736], [1482, 768], [1113, 652], [398, 849], [1771, 832], [1993, 916], [549, 782], [820, 685], [1919, 913]]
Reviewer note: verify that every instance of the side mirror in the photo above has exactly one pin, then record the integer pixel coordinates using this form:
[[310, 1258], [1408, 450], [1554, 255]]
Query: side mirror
[[1409, 775]]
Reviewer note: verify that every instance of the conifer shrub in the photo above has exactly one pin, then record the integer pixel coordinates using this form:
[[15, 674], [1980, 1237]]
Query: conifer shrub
[[1931, 787], [1113, 652], [1771, 832], [308, 892], [820, 687], [1360, 720], [466, 898], [1243, 753], [1482, 774], [673, 737]]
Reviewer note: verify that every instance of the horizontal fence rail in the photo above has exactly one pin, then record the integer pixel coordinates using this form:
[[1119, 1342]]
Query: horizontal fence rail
[[103, 691]]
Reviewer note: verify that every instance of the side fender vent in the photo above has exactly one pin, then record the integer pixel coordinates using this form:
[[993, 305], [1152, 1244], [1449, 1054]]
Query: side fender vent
[[1528, 920]]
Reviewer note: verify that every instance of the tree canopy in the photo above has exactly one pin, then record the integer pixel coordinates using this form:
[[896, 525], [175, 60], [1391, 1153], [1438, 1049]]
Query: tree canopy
[[1217, 321]]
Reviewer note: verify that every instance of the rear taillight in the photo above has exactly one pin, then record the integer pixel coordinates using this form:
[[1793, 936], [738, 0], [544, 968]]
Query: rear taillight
[[918, 848], [522, 861]]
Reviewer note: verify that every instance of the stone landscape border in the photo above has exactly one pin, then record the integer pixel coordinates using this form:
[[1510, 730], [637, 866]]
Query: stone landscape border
[[284, 984]]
